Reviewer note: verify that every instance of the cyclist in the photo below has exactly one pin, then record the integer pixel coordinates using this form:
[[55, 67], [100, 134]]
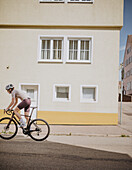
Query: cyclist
[[25, 103]]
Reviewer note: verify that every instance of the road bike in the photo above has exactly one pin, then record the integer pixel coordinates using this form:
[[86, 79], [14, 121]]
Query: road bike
[[37, 129]]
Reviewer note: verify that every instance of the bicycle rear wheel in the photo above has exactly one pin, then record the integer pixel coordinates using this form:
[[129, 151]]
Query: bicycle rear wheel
[[8, 131], [39, 129]]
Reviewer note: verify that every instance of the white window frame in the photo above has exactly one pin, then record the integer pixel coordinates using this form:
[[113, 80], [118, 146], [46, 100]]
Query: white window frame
[[82, 100], [55, 99], [90, 38], [51, 38]]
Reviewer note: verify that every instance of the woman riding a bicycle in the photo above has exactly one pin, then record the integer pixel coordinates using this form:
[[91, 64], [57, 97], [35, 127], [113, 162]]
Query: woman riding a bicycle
[[38, 129], [25, 103]]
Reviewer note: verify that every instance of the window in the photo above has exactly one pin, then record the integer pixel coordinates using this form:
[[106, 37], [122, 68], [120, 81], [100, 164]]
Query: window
[[73, 49], [128, 74], [51, 50], [62, 93], [57, 49], [125, 63], [45, 49], [129, 86], [65, 49], [128, 50], [124, 75], [84, 50], [131, 71], [89, 94], [130, 59], [79, 50], [30, 93]]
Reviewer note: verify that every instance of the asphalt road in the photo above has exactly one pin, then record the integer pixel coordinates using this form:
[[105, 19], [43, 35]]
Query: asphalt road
[[27, 154]]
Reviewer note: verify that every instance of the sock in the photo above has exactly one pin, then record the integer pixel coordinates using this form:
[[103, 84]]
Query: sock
[[22, 121]]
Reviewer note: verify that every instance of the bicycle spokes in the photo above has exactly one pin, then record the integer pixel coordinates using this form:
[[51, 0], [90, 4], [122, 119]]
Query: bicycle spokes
[[7, 129], [39, 129]]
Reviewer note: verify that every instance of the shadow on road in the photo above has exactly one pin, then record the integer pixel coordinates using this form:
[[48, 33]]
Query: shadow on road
[[27, 154]]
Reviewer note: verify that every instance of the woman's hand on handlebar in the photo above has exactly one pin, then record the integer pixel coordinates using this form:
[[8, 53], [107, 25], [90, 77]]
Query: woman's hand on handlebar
[[7, 111]]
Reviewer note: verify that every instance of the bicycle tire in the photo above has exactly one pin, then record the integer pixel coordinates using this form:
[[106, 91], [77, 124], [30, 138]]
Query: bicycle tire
[[11, 131], [39, 127]]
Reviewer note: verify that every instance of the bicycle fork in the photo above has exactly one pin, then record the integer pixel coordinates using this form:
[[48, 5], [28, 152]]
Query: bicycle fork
[[7, 127]]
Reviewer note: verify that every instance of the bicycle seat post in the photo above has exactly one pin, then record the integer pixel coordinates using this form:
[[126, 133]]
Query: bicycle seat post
[[32, 111]]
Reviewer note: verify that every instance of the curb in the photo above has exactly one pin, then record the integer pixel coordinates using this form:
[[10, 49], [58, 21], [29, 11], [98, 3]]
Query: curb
[[89, 135]]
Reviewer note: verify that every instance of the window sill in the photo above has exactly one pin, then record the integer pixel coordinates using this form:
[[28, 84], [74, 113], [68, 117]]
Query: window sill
[[78, 62], [88, 101], [88, 2], [61, 100], [42, 1], [65, 1], [50, 61]]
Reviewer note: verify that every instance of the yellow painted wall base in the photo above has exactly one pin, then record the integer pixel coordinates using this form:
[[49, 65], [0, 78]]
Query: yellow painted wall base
[[2, 114], [75, 118], [78, 118]]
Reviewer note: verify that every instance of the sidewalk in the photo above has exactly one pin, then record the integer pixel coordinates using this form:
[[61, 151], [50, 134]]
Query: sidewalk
[[125, 128], [109, 138]]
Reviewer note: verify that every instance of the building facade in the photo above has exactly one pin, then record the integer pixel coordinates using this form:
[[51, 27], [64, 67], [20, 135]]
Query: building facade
[[65, 55], [127, 63]]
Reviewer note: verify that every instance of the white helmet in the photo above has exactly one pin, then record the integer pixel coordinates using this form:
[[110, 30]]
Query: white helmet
[[10, 86]]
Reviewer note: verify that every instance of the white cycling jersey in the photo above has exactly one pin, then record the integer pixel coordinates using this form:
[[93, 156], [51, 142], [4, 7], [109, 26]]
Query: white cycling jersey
[[19, 94]]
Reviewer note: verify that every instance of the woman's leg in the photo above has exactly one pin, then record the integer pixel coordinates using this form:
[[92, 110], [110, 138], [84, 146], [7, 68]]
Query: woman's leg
[[27, 109], [27, 116], [16, 110]]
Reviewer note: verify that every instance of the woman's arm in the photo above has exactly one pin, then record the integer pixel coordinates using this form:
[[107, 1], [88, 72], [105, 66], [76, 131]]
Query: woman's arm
[[16, 101], [12, 102]]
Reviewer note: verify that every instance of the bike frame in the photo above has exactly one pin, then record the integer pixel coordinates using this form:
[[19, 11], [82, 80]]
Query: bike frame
[[14, 117]]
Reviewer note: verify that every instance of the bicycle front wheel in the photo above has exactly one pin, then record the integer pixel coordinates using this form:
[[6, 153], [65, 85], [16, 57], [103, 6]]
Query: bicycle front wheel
[[39, 129], [8, 128]]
